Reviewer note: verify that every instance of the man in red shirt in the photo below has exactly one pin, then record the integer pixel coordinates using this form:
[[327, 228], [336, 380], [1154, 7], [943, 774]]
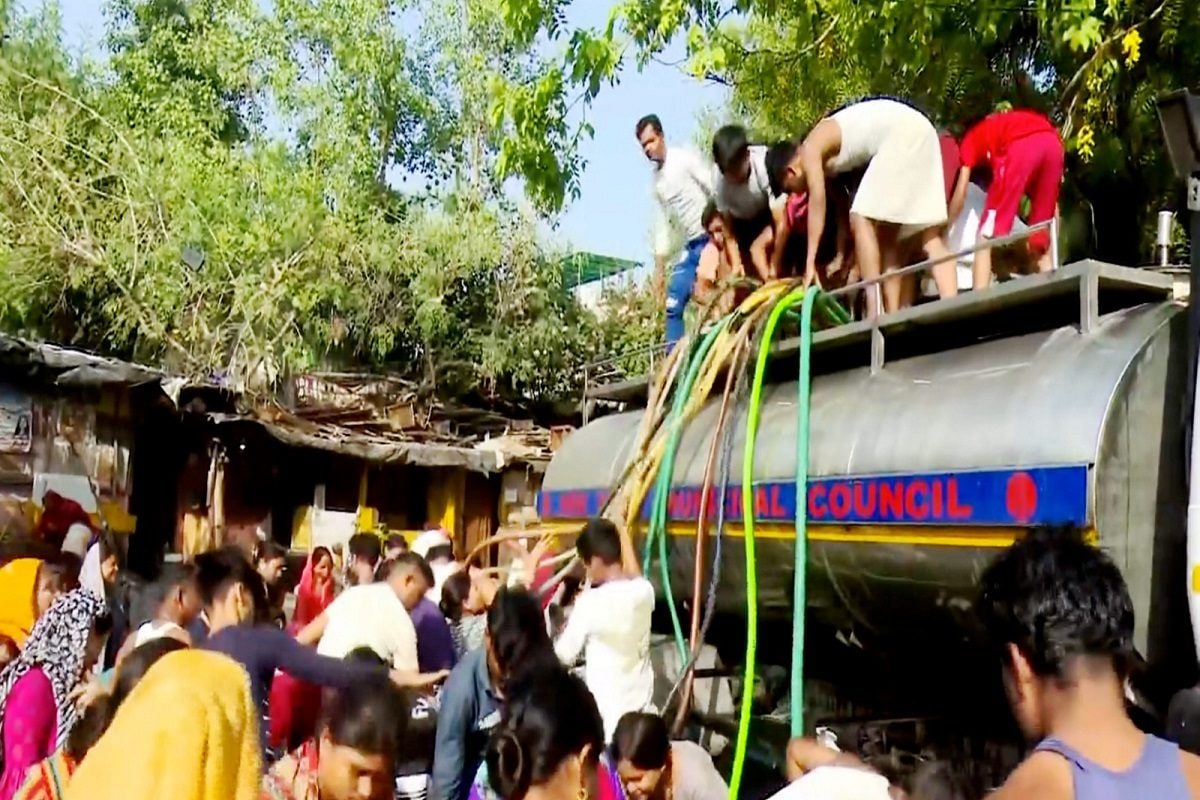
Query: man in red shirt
[[1025, 155]]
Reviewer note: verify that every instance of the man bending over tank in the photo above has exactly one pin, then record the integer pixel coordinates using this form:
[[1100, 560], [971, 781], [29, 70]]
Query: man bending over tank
[[1060, 618]]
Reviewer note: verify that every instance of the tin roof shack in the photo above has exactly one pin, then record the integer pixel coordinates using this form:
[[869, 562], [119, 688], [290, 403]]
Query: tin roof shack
[[72, 422], [369, 453]]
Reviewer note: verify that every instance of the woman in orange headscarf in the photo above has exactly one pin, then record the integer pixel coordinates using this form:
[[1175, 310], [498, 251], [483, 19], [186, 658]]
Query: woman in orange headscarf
[[27, 589]]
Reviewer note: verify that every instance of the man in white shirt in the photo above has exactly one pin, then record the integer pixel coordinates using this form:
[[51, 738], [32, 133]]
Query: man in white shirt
[[743, 191], [683, 186], [375, 615], [610, 625]]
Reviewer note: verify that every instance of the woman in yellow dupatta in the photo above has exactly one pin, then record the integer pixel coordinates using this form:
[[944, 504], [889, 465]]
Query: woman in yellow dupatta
[[26, 591], [187, 732]]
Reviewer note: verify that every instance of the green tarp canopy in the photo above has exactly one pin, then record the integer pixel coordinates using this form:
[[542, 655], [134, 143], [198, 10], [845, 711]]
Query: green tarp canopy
[[581, 268]]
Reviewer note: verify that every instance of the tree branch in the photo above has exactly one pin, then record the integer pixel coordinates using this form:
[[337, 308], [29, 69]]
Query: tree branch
[[1070, 92]]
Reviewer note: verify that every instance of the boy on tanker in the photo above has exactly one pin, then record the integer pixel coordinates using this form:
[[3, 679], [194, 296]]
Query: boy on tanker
[[1060, 618], [744, 196], [719, 262], [1024, 154], [901, 195]]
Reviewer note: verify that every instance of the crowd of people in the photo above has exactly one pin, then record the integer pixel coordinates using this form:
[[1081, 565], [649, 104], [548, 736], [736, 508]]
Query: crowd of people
[[390, 672], [871, 188], [383, 683]]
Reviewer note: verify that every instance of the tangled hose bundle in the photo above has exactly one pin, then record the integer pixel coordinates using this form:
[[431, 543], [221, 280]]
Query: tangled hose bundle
[[723, 350], [684, 384]]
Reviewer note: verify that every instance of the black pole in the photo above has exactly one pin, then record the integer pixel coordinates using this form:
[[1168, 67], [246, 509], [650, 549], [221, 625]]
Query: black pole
[[1193, 206]]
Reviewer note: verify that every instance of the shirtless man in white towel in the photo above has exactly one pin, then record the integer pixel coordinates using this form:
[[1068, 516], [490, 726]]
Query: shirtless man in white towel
[[901, 194]]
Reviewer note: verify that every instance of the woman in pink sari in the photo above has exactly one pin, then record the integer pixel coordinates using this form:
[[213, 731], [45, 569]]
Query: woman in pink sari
[[36, 714]]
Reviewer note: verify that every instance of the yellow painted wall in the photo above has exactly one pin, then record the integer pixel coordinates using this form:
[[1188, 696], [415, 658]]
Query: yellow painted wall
[[447, 493], [445, 499]]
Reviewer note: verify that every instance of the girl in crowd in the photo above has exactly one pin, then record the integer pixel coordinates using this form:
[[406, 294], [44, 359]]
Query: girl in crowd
[[36, 712], [352, 757], [515, 645], [549, 745], [465, 609], [186, 732], [28, 587], [315, 592], [48, 779], [652, 767]]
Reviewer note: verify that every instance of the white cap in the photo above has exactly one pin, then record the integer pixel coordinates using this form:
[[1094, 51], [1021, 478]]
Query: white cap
[[429, 540]]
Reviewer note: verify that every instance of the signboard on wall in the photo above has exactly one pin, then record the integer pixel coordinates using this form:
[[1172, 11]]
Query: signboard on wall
[[16, 421]]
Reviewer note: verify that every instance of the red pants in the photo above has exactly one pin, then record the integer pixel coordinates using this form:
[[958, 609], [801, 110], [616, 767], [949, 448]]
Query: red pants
[[1033, 166]]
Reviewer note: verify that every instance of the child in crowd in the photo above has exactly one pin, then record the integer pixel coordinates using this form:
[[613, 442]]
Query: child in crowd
[[1061, 621], [351, 757], [719, 263], [175, 598]]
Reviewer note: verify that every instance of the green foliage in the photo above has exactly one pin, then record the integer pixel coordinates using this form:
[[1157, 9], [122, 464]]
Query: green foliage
[[149, 211], [1081, 61]]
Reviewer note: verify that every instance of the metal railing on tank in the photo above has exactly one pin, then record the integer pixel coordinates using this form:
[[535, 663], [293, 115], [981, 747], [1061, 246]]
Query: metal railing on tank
[[611, 370]]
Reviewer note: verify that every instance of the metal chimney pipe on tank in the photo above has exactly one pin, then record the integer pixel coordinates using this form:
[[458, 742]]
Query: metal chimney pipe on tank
[[1162, 239]]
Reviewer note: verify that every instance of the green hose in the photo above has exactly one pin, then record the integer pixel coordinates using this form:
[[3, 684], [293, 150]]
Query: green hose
[[656, 532], [800, 578], [760, 369]]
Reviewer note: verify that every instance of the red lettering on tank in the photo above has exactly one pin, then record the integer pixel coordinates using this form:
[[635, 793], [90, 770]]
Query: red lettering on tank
[[816, 501], [674, 505], [916, 499], [953, 507], [839, 500], [760, 503], [891, 500], [733, 504], [938, 491], [777, 509], [864, 499], [573, 504]]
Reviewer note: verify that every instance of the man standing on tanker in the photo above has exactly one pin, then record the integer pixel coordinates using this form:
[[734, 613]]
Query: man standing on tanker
[[683, 187], [1025, 155], [901, 194]]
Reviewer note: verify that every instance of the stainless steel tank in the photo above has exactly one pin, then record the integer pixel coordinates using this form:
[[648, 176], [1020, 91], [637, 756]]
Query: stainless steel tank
[[1052, 399]]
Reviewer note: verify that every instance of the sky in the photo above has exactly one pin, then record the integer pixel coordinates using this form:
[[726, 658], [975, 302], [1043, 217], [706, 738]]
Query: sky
[[612, 215]]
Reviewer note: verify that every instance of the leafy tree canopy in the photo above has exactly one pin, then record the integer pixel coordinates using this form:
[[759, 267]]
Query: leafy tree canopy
[[1095, 66], [246, 194]]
